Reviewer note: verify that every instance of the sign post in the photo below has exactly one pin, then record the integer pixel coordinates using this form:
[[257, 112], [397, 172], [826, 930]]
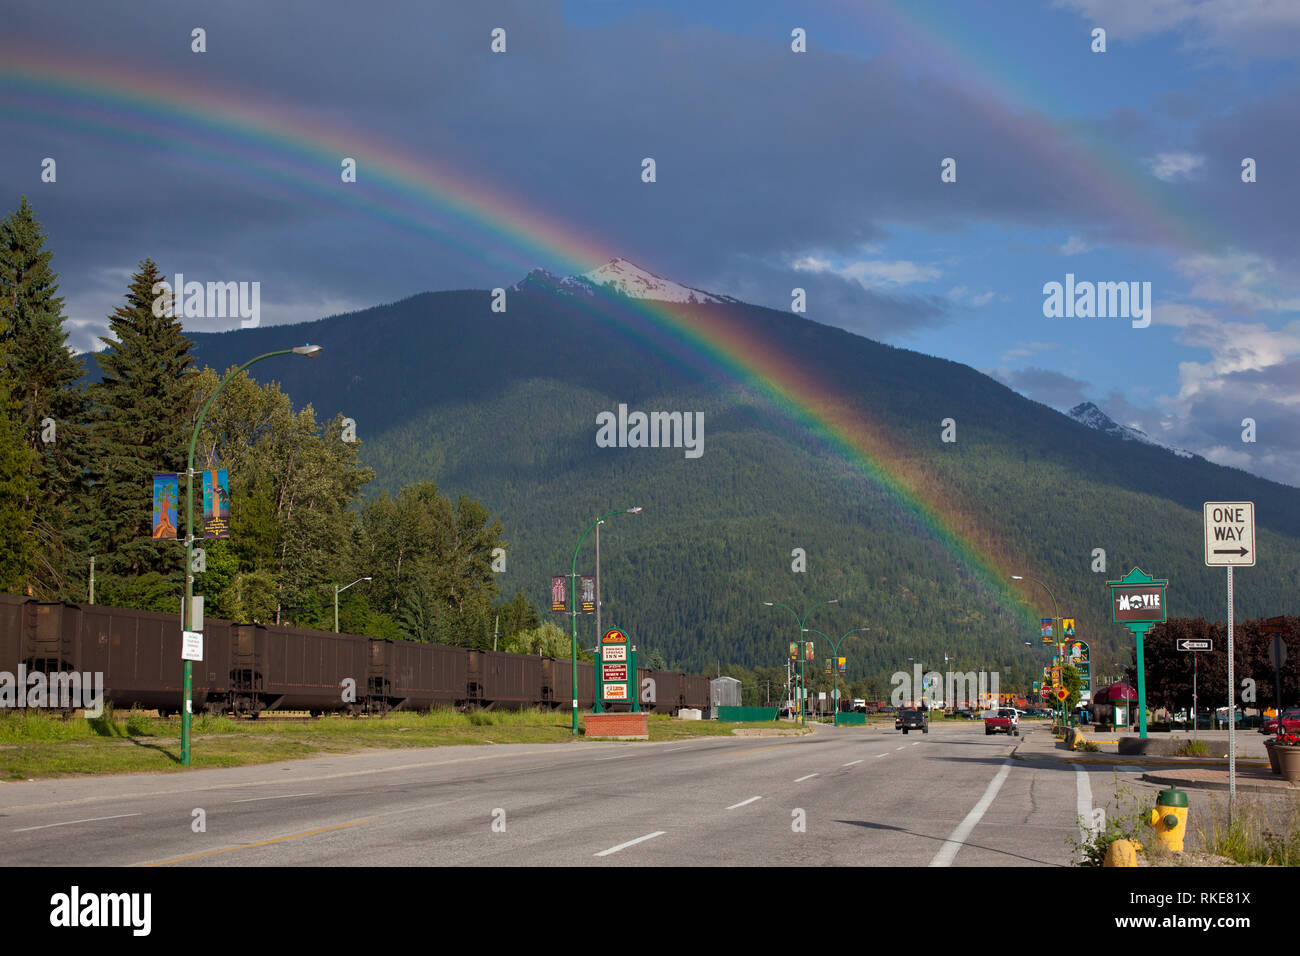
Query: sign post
[[615, 671], [1230, 543], [1137, 601], [1196, 646]]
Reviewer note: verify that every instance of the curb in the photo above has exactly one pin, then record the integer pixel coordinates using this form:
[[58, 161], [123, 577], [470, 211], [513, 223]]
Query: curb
[[1172, 780]]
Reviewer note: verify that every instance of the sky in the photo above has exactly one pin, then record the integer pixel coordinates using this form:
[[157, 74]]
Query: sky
[[774, 169]]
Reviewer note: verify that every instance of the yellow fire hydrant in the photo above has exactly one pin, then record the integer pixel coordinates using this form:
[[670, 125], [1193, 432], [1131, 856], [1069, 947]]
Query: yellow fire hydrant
[[1169, 818]]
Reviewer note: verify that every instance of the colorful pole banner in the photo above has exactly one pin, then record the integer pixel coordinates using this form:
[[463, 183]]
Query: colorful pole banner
[[216, 503], [1067, 625], [809, 653], [587, 590], [166, 495], [843, 664], [794, 651], [559, 595]]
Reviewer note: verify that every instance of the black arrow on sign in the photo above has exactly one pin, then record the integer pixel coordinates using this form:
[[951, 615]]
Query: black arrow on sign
[[1243, 552]]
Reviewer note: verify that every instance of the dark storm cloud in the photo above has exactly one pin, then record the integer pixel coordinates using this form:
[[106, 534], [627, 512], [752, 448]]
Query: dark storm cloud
[[1043, 385], [762, 155]]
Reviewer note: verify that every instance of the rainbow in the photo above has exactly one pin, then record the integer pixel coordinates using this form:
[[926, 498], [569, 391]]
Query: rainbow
[[232, 135]]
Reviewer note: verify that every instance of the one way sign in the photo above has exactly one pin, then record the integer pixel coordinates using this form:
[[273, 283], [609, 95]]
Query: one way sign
[[1230, 534]]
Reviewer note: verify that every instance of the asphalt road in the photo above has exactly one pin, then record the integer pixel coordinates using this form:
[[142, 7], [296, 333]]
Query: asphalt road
[[842, 796]]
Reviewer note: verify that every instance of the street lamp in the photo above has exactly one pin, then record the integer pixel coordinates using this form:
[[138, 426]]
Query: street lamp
[[803, 704], [310, 351], [337, 591], [1056, 622], [573, 605], [835, 664]]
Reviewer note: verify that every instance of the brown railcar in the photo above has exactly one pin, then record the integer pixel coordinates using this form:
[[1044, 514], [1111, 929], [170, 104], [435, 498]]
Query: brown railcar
[[409, 675], [139, 654], [290, 668], [505, 681]]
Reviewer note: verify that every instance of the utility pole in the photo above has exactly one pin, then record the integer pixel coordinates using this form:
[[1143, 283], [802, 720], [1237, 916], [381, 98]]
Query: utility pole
[[598, 630]]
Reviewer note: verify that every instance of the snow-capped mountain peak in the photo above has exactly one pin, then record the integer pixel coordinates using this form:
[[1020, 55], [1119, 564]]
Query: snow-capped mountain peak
[[623, 277], [1086, 413]]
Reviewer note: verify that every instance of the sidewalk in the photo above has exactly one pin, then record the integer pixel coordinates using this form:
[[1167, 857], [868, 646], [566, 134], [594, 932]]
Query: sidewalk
[[1199, 773]]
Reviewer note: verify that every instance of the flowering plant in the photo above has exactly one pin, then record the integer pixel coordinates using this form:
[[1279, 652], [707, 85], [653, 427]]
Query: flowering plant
[[1287, 740]]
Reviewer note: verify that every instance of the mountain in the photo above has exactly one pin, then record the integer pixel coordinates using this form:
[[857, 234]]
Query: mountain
[[504, 406], [1086, 413], [621, 277]]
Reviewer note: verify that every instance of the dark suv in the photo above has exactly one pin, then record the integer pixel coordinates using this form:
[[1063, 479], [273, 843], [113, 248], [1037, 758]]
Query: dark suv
[[913, 720]]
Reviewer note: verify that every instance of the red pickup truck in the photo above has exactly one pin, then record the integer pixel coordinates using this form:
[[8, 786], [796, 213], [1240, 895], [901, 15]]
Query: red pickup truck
[[1005, 722]]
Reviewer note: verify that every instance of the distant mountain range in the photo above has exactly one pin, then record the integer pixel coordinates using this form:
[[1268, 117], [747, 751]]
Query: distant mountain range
[[504, 406], [621, 277], [1086, 413]]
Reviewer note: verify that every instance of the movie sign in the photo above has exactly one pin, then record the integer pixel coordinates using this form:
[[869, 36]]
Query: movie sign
[[559, 594], [216, 503], [1142, 603]]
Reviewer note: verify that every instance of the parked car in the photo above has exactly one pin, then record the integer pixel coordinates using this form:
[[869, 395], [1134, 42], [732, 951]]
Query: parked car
[[1290, 722]]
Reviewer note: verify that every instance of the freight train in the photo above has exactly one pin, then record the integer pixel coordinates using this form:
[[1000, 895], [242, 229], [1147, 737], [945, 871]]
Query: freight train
[[248, 669]]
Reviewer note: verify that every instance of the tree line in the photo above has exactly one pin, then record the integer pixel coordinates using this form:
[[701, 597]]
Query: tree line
[[77, 462]]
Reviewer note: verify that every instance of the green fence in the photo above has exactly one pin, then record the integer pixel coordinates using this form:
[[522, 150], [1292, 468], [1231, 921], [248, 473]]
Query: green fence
[[850, 718], [746, 714]]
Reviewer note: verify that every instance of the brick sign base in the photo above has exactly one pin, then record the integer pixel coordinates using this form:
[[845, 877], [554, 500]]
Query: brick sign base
[[618, 726]]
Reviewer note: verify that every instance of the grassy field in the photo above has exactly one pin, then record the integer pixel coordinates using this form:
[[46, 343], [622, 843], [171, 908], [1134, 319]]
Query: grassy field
[[34, 745]]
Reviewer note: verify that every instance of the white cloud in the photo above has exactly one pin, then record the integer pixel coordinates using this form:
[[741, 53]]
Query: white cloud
[[1171, 167], [1074, 246], [1241, 279], [1252, 26], [871, 273]]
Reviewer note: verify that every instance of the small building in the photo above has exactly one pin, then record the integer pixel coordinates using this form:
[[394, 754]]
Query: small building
[[724, 692], [1114, 705]]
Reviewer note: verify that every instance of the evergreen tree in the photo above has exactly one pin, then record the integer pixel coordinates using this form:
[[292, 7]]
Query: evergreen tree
[[15, 491], [141, 415], [49, 408]]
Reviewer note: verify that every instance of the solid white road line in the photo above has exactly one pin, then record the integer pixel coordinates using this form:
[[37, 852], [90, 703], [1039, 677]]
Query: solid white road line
[[624, 846], [283, 796], [68, 823], [806, 777], [948, 851], [898, 748], [882, 755], [915, 742], [743, 802], [1084, 802], [617, 757], [673, 750], [852, 762]]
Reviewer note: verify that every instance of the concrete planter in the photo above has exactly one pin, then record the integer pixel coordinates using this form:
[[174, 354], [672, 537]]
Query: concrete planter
[[1288, 759], [1271, 749]]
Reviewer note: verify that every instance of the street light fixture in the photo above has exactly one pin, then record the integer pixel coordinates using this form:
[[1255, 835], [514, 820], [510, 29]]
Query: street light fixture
[[835, 663], [337, 591], [573, 605], [311, 351], [1056, 622], [803, 705]]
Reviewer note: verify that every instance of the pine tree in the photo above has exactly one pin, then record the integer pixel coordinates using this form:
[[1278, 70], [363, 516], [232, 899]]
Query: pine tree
[[142, 411], [49, 407], [15, 490]]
